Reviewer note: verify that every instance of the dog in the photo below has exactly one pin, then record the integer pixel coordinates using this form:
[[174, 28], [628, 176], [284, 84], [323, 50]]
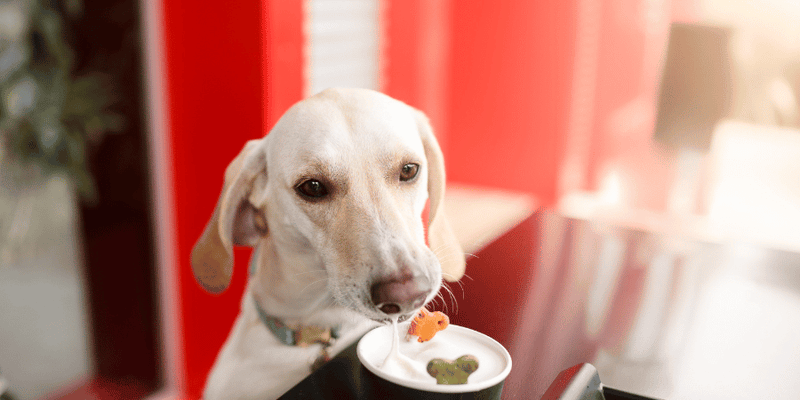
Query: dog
[[332, 201]]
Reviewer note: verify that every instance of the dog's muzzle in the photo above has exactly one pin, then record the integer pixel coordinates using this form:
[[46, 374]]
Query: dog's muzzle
[[400, 293]]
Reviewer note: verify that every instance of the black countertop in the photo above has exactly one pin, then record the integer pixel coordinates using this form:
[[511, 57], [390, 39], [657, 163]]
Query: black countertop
[[659, 315]]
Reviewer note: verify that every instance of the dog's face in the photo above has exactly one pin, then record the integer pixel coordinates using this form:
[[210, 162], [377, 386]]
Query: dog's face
[[341, 182]]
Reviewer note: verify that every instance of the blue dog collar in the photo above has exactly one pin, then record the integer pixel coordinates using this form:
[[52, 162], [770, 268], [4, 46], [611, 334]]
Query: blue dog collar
[[301, 335]]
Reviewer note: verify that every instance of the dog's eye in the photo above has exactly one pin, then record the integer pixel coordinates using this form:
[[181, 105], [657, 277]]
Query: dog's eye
[[313, 189], [409, 172]]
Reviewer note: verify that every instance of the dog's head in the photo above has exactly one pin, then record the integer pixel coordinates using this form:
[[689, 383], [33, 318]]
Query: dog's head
[[340, 184]]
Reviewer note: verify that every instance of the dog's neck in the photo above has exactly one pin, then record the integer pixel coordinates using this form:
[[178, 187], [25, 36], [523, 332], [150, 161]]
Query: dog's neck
[[289, 285]]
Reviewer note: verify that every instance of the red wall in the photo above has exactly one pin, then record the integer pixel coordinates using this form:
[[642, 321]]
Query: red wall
[[509, 81], [216, 61], [415, 57], [213, 62], [509, 109], [282, 57]]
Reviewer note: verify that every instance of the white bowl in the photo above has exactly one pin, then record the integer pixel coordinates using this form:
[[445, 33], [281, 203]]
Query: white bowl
[[494, 362]]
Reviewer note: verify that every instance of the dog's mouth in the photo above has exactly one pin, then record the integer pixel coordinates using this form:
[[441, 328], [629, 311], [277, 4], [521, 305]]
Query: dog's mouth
[[386, 313], [400, 318]]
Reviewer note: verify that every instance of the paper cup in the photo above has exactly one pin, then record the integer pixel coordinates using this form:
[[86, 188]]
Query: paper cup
[[485, 383]]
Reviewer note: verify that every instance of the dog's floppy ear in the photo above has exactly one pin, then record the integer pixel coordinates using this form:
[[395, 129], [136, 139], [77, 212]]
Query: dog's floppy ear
[[235, 219], [440, 234]]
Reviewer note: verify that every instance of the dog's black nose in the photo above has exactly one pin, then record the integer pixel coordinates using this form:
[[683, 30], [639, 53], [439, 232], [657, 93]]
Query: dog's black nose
[[399, 293]]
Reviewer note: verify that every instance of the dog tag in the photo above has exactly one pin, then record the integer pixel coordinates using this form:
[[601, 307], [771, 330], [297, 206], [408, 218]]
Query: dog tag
[[308, 335]]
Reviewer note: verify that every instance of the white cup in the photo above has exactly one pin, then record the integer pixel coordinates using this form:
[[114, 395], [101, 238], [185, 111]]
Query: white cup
[[494, 362]]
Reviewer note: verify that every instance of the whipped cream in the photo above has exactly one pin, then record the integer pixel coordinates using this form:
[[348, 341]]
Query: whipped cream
[[399, 364], [408, 360]]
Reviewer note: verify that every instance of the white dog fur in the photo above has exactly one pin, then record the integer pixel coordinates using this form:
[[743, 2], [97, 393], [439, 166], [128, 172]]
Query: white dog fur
[[319, 260]]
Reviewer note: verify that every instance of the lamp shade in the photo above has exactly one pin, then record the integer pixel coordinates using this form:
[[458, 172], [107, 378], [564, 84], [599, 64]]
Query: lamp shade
[[695, 88]]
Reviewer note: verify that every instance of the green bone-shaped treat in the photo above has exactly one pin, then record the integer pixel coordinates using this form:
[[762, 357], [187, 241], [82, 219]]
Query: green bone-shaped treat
[[449, 372]]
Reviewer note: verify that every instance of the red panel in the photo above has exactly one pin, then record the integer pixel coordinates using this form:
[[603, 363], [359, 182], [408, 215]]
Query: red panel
[[402, 50], [512, 66], [216, 66], [415, 57], [213, 64], [283, 61], [509, 87]]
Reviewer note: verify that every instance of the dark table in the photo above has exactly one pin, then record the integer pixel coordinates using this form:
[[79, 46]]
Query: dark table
[[341, 378], [659, 314]]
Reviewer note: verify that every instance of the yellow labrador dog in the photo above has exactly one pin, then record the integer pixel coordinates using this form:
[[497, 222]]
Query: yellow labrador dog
[[332, 201]]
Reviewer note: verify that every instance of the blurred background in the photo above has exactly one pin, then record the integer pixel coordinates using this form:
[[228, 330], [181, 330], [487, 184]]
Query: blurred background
[[625, 175]]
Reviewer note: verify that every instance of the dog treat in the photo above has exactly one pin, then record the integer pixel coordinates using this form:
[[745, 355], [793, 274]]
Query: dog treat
[[426, 324], [449, 372]]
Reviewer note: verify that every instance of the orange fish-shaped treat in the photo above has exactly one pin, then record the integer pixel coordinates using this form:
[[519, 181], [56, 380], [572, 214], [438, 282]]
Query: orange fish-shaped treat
[[426, 324]]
